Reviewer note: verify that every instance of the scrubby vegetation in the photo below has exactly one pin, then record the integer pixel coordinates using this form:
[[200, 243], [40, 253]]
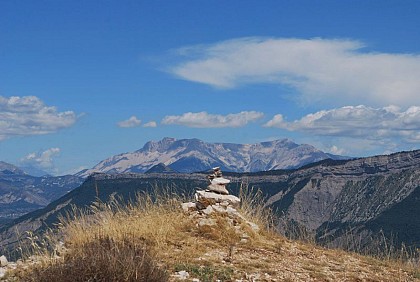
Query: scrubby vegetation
[[101, 259], [151, 239]]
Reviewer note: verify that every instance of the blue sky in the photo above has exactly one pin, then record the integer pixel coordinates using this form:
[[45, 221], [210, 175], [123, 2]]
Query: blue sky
[[83, 80]]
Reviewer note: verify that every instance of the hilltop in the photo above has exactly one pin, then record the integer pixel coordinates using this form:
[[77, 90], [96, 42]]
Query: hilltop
[[153, 239]]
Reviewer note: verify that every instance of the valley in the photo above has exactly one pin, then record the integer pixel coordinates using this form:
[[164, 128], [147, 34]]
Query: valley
[[21, 193]]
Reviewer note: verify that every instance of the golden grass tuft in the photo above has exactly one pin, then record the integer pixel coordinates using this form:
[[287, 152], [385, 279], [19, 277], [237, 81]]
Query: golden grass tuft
[[102, 259], [254, 209]]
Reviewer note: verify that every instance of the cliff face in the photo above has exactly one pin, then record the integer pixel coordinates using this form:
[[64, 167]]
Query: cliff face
[[356, 196]]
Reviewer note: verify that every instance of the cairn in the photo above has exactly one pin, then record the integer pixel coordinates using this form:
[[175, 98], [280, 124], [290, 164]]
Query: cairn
[[216, 200]]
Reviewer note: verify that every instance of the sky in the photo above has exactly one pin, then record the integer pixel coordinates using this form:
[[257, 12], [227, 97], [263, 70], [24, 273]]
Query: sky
[[81, 81]]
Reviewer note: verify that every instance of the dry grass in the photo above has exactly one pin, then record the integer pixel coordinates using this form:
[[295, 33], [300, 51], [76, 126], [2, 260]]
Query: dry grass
[[102, 259], [152, 238], [252, 207]]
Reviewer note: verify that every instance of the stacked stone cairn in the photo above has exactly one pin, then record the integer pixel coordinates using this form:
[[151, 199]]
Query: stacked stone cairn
[[216, 200]]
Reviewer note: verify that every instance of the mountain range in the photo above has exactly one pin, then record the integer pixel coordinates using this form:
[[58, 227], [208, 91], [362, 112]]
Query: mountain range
[[21, 193], [193, 155], [24, 189]]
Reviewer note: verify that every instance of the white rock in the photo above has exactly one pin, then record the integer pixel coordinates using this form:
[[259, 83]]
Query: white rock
[[233, 213], [213, 198], [208, 210], [182, 275], [2, 272], [220, 181], [224, 203], [190, 206], [218, 188], [219, 209], [206, 222], [3, 261]]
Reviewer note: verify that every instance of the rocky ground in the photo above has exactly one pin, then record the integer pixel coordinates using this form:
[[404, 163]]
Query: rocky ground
[[271, 257], [283, 260]]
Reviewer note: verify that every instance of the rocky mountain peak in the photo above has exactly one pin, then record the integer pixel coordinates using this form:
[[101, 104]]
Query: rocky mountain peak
[[159, 146]]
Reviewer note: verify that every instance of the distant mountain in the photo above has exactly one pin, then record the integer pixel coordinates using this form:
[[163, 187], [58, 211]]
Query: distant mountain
[[192, 155], [34, 171], [7, 169], [21, 193]]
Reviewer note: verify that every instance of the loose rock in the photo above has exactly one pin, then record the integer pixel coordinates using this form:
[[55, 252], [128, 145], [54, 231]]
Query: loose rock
[[210, 198], [190, 206], [217, 182], [3, 261]]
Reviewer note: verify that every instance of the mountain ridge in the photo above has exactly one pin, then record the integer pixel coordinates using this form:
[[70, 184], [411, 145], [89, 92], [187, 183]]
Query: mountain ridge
[[192, 155], [6, 168], [21, 192]]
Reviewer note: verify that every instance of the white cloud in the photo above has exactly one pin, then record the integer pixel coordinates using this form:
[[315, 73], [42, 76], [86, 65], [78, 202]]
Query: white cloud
[[336, 151], [360, 121], [338, 72], [133, 121], [23, 116], [41, 160], [150, 124], [205, 120]]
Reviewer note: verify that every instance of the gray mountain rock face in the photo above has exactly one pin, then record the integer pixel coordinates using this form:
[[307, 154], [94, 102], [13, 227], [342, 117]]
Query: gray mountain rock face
[[363, 195], [192, 155]]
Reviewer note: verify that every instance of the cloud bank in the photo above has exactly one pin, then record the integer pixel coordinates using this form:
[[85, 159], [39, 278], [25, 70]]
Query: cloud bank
[[206, 120], [359, 122], [338, 72], [23, 116], [133, 121]]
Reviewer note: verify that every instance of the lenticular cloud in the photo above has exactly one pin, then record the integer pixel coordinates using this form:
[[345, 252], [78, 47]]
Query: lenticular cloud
[[336, 72]]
